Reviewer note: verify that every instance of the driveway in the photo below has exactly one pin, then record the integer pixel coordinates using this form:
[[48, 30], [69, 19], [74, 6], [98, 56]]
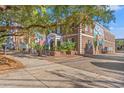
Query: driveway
[[80, 72]]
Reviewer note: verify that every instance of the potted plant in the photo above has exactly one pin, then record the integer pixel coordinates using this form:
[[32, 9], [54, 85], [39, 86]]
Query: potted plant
[[62, 48], [38, 49], [70, 47], [55, 51], [67, 47]]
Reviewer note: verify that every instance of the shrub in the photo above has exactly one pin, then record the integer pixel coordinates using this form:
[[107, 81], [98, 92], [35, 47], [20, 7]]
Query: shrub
[[67, 46]]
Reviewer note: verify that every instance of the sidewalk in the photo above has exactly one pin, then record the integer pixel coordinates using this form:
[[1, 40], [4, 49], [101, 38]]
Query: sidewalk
[[49, 58], [43, 73]]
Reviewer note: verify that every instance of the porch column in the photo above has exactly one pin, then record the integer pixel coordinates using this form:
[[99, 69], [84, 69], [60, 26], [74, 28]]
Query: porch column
[[55, 43], [80, 41]]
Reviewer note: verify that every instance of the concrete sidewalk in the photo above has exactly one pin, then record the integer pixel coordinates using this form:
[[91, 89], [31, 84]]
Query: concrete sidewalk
[[42, 73]]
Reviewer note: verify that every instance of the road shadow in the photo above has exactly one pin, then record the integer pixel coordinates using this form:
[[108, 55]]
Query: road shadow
[[77, 83], [114, 72], [108, 57], [26, 55], [110, 65]]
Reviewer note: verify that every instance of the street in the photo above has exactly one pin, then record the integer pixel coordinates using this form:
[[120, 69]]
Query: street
[[99, 71]]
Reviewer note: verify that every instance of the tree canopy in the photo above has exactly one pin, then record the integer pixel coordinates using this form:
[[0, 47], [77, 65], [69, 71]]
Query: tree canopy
[[28, 15], [50, 17]]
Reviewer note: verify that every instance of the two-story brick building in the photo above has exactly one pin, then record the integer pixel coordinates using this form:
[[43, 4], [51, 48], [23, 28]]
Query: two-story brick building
[[92, 41], [89, 41]]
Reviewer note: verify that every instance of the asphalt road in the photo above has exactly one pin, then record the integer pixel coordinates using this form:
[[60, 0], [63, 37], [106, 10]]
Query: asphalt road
[[83, 72]]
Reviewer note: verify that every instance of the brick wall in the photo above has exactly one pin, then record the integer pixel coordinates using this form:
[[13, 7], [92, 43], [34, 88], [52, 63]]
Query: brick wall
[[85, 42], [109, 39], [82, 36]]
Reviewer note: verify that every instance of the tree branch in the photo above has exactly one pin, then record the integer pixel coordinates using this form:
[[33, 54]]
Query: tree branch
[[30, 26], [10, 35]]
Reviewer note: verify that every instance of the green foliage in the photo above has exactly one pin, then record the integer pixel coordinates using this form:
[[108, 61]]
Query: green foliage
[[51, 17], [36, 46], [67, 46], [66, 15], [95, 43], [32, 44], [2, 40], [120, 42]]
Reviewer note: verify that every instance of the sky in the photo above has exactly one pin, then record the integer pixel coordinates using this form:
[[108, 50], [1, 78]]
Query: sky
[[117, 28]]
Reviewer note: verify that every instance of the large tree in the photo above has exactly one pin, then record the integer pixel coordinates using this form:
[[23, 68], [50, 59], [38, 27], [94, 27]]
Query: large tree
[[51, 17]]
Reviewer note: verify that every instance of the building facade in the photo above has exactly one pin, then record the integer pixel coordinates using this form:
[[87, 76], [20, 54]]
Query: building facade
[[92, 41], [88, 41]]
